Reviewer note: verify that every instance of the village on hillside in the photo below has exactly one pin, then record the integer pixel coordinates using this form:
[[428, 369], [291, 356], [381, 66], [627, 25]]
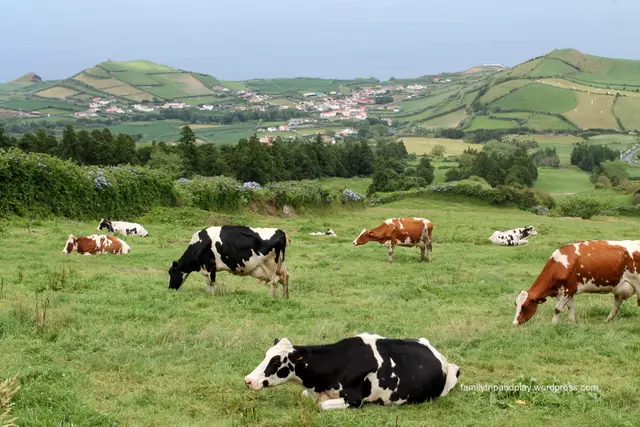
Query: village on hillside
[[331, 106]]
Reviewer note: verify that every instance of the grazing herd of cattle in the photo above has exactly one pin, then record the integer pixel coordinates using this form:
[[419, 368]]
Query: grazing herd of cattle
[[369, 368]]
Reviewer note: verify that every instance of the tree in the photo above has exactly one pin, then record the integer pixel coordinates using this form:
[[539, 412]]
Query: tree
[[70, 146], [188, 151], [425, 170], [438, 150]]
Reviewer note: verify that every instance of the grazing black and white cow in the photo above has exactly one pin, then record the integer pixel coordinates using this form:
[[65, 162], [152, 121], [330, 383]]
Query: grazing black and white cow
[[363, 369], [240, 250], [125, 228], [513, 237]]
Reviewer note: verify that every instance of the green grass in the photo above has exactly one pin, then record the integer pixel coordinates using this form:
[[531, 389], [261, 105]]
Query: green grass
[[118, 348], [525, 68], [484, 122], [359, 185], [628, 111], [138, 66], [447, 121], [601, 70], [544, 122], [422, 145], [31, 105], [568, 181], [540, 97], [172, 87], [233, 85], [225, 134], [164, 130], [551, 67], [416, 105], [207, 80], [502, 89]]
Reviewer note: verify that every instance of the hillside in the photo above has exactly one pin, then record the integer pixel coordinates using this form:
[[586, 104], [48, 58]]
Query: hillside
[[564, 89], [27, 79]]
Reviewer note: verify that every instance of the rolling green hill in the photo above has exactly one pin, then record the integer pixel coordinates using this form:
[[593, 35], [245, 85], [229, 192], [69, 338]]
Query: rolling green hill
[[568, 89]]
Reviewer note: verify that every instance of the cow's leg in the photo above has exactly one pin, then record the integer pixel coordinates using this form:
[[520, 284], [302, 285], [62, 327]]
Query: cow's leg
[[422, 250], [284, 278], [390, 249], [563, 300], [211, 282], [617, 301], [429, 250], [572, 313]]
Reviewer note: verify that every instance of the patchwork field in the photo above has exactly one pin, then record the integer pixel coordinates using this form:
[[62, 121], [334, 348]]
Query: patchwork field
[[484, 122], [502, 89], [447, 121], [540, 97], [118, 348], [593, 112], [628, 111], [57, 92], [420, 145], [552, 67], [177, 85]]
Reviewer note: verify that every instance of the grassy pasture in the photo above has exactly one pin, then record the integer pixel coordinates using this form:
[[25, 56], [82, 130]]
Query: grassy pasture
[[421, 145], [359, 185], [177, 85], [551, 67], [233, 85], [415, 105], [540, 97], [502, 89], [32, 105], [544, 122], [118, 348], [628, 111], [593, 111], [484, 122], [447, 121], [58, 92]]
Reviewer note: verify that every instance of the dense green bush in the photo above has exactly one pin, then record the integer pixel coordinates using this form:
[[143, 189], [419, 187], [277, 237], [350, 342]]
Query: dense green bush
[[212, 193], [302, 194], [39, 185], [581, 207], [524, 198]]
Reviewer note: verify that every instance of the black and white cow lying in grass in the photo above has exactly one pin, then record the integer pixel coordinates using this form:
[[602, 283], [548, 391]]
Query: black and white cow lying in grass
[[514, 237], [240, 250], [329, 232], [362, 369], [124, 228]]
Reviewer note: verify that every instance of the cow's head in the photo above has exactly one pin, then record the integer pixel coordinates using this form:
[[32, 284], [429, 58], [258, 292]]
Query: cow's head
[[176, 276], [528, 231], [526, 307], [71, 245], [278, 366], [330, 232], [375, 235], [105, 223], [453, 374]]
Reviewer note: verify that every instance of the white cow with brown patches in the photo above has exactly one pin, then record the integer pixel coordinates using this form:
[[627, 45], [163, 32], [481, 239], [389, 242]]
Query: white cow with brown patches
[[590, 266], [96, 244]]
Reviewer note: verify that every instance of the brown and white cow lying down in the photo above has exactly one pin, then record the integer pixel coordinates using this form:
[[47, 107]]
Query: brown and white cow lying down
[[590, 266], [394, 232], [96, 244]]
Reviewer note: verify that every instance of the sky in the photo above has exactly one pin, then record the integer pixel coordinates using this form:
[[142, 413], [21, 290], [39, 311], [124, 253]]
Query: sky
[[244, 39]]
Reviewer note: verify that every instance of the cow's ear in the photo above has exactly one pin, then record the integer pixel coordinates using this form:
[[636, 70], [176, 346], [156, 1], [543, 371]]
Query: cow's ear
[[540, 300], [174, 264], [276, 341]]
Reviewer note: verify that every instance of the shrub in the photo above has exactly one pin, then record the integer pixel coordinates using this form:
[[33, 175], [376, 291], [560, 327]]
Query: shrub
[[582, 207], [214, 193], [301, 194], [40, 185]]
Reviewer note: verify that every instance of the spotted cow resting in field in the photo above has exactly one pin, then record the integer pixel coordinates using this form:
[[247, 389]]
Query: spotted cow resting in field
[[124, 228], [240, 250], [394, 232], [590, 266], [95, 244], [514, 237], [329, 232], [363, 369]]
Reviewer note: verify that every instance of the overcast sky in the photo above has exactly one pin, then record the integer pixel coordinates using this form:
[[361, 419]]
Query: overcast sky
[[243, 39]]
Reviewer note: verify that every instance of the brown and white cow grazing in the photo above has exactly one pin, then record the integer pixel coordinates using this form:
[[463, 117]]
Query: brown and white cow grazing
[[394, 232], [590, 266], [96, 244]]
